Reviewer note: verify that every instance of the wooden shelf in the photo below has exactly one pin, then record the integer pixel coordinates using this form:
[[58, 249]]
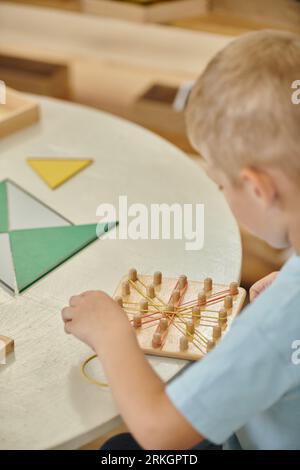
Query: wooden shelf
[[220, 23], [146, 12], [69, 5], [35, 76], [276, 13]]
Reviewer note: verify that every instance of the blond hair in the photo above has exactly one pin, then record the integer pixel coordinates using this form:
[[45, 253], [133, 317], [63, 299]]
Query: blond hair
[[240, 112]]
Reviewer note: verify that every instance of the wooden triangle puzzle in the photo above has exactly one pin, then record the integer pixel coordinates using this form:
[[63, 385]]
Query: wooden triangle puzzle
[[56, 171], [37, 251], [34, 239]]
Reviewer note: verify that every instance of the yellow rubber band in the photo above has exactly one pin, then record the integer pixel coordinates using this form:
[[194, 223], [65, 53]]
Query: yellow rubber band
[[86, 375]]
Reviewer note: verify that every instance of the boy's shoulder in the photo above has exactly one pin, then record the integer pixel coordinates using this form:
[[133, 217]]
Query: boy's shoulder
[[274, 315]]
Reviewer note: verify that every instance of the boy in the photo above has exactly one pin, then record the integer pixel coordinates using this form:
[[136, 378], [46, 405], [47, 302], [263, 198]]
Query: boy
[[246, 392]]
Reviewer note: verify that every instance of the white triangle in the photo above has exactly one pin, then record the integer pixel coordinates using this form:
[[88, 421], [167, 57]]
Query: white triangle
[[26, 212], [7, 272]]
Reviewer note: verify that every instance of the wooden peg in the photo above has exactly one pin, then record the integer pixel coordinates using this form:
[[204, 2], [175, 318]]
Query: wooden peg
[[156, 340], [119, 301], [196, 313], [163, 324], [234, 288], [125, 288], [223, 318], [170, 308], [222, 314], [143, 306], [182, 281], [150, 291], [228, 302], [157, 278], [183, 343], [217, 333], [8, 345], [176, 296], [210, 345], [132, 275], [201, 299], [208, 284], [190, 327], [137, 320]]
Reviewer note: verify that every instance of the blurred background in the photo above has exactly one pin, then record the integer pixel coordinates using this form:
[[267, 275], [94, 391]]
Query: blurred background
[[136, 59]]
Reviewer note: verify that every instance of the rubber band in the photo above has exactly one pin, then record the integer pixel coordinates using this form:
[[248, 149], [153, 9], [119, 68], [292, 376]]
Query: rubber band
[[86, 375]]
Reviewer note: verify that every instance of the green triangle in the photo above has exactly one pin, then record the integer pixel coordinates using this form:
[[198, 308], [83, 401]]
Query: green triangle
[[3, 208], [37, 251]]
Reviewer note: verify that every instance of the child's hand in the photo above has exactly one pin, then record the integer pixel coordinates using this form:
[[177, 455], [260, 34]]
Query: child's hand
[[91, 314], [261, 285]]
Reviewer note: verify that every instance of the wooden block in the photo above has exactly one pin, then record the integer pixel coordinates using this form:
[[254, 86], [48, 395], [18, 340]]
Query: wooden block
[[161, 94], [146, 12], [35, 76], [156, 108], [17, 113], [176, 331], [9, 345]]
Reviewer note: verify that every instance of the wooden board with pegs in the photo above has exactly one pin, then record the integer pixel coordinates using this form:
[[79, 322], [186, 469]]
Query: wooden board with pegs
[[177, 317]]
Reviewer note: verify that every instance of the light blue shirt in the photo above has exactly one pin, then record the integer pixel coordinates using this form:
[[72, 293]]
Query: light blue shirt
[[246, 391]]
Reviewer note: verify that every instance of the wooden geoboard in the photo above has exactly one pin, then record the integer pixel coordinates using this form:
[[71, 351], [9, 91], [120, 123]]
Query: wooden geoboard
[[177, 317]]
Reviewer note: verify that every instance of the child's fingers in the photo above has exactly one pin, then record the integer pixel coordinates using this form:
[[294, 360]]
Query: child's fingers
[[74, 300], [68, 327], [67, 314], [88, 292]]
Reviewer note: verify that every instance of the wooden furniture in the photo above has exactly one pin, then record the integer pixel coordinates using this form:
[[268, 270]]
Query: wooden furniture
[[107, 72], [146, 11], [18, 112], [69, 5], [220, 23], [236, 17], [35, 76], [276, 13], [155, 109], [44, 382]]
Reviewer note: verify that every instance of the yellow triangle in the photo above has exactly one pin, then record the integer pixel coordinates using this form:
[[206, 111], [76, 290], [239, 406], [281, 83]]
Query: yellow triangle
[[56, 171]]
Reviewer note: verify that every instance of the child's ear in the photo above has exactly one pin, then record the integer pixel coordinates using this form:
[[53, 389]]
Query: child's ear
[[261, 184]]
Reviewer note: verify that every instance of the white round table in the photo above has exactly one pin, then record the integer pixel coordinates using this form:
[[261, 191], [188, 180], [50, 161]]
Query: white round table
[[44, 401]]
